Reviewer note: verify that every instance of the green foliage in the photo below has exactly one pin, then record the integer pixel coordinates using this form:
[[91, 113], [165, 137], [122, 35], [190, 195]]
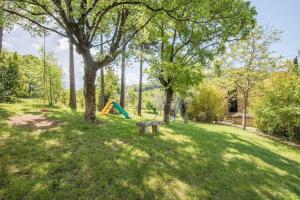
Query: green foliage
[[249, 61], [112, 86], [53, 79], [7, 21], [65, 98], [208, 103], [79, 98], [23, 77], [9, 77], [132, 97], [31, 74], [186, 43], [180, 77], [153, 99], [277, 111], [151, 107]]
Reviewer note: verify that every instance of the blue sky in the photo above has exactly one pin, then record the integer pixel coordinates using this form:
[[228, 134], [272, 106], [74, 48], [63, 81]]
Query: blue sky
[[283, 15], [279, 14]]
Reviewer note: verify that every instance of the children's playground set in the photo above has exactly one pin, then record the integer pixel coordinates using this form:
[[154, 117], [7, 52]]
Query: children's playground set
[[112, 104]]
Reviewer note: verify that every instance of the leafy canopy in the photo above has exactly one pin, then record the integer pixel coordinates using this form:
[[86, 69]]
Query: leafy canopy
[[190, 42], [250, 60]]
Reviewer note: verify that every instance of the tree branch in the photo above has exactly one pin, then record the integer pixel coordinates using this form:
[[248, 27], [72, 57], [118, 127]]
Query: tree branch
[[34, 22]]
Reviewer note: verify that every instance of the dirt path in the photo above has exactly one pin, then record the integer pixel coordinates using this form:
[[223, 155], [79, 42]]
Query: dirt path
[[32, 121]]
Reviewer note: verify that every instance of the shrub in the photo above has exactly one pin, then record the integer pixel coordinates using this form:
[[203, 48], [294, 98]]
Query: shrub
[[9, 73], [151, 107], [207, 104], [277, 112]]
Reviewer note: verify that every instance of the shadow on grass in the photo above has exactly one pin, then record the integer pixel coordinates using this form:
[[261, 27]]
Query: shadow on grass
[[109, 160], [5, 113]]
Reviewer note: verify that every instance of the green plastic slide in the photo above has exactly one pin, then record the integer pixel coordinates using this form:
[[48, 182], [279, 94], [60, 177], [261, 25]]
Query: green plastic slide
[[121, 110]]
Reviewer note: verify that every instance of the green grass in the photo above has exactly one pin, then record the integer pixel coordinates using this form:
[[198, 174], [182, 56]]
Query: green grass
[[110, 160]]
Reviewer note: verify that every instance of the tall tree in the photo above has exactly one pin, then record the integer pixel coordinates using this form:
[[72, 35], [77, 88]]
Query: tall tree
[[139, 107], [120, 20], [22, 76], [1, 38], [73, 101], [249, 61], [186, 46], [1, 25], [50, 81], [102, 90], [102, 82], [123, 84]]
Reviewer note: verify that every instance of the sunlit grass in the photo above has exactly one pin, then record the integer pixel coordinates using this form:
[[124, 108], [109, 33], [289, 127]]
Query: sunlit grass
[[110, 160]]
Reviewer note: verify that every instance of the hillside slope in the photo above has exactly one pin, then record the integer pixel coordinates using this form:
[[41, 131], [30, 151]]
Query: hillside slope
[[110, 160]]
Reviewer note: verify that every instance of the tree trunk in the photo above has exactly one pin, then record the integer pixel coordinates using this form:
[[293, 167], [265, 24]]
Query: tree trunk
[[50, 86], [1, 38], [139, 108], [244, 122], [72, 102], [102, 92], [102, 83], [122, 96], [167, 107], [89, 93]]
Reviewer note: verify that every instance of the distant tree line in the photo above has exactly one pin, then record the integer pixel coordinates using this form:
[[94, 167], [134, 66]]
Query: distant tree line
[[22, 76]]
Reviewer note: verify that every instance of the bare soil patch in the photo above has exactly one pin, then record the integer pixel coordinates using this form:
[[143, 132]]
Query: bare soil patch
[[32, 121]]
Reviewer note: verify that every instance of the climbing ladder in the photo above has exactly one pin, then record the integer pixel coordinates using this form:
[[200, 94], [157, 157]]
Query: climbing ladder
[[107, 108]]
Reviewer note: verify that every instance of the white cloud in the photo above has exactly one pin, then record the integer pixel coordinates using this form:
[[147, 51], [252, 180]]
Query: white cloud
[[36, 46], [94, 51], [7, 45], [63, 44], [132, 78]]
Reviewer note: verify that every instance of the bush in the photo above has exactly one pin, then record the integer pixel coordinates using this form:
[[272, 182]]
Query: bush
[[9, 74], [207, 104], [151, 107], [22, 76], [277, 112]]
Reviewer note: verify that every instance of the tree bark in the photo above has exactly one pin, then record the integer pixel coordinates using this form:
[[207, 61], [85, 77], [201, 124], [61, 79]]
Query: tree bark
[[167, 107], [244, 122], [1, 38], [89, 93], [72, 102], [102, 92], [139, 108], [102, 82], [50, 86], [122, 96]]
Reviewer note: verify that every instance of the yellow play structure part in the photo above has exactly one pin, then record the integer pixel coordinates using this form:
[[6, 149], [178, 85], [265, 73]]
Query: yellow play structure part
[[107, 108]]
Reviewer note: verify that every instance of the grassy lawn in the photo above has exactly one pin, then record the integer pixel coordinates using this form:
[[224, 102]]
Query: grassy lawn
[[110, 160]]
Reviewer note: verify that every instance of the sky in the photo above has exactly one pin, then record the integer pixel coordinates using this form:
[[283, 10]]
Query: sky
[[283, 15]]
